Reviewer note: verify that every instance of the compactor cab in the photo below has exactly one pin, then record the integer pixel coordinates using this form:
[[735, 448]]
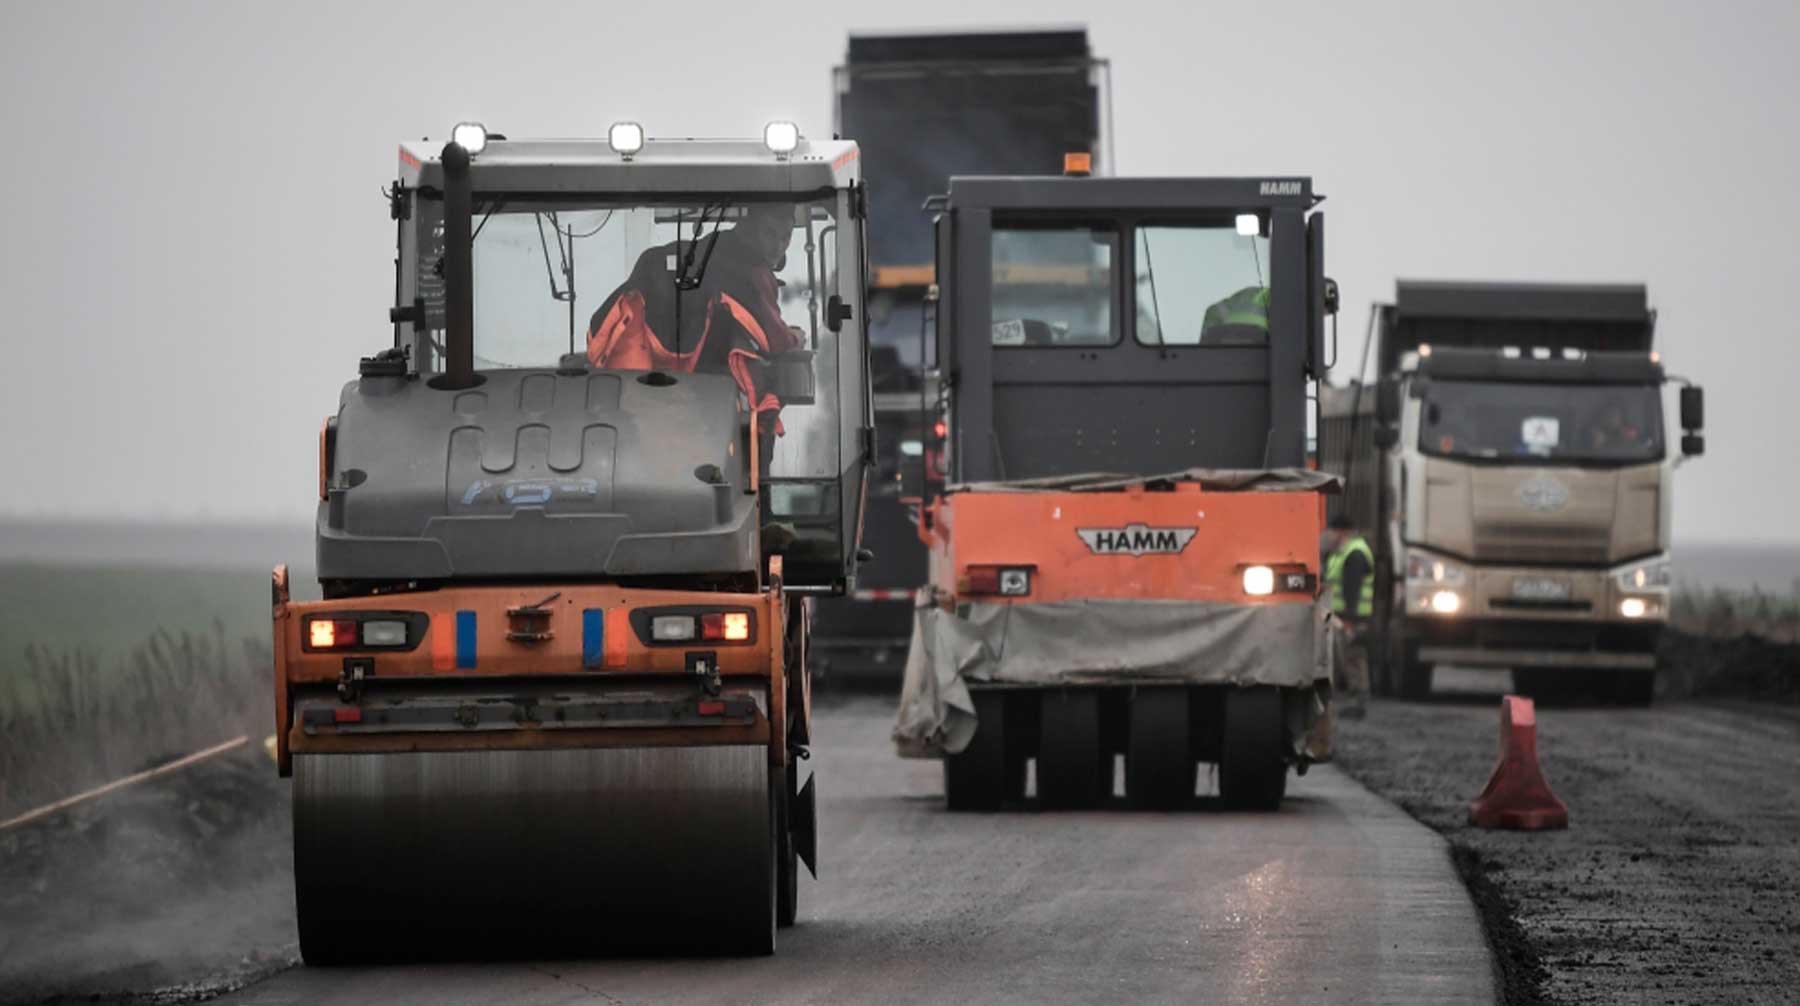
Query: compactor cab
[[563, 522], [1126, 560]]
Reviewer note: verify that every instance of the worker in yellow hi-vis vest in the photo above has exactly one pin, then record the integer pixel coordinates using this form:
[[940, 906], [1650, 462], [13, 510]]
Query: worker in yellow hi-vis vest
[[1350, 579]]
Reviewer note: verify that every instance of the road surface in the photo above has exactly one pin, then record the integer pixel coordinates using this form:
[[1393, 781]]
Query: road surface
[[1340, 897]]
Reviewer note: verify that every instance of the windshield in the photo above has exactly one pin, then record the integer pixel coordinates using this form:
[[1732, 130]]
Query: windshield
[[1542, 422], [731, 288], [1202, 286], [1053, 286]]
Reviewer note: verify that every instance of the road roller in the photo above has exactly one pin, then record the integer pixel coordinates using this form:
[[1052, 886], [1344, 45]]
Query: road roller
[[1125, 562], [554, 698]]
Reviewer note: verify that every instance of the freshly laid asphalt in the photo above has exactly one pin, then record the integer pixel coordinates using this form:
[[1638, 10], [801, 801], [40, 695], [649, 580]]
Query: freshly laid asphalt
[[1339, 897]]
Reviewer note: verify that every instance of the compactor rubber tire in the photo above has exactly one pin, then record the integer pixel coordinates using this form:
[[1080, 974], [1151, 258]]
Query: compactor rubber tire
[[1073, 772], [976, 778], [1159, 764], [785, 782], [1253, 758]]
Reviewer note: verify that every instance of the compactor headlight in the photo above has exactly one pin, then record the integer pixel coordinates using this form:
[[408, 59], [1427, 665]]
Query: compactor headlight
[[471, 136], [1259, 581], [781, 137], [625, 138]]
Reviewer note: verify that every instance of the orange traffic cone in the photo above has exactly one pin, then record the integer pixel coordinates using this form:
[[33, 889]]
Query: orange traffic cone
[[1517, 795]]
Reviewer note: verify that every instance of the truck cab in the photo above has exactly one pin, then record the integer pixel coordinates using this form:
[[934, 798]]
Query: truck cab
[[1515, 481]]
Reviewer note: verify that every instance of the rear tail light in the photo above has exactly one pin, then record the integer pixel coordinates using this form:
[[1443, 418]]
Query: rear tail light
[[1006, 581], [359, 630], [331, 633], [729, 626], [713, 626]]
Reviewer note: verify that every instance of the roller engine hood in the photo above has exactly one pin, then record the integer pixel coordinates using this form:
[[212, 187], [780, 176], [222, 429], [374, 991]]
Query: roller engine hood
[[537, 473]]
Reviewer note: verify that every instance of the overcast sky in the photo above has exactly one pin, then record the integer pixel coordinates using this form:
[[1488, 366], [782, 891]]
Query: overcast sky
[[197, 252]]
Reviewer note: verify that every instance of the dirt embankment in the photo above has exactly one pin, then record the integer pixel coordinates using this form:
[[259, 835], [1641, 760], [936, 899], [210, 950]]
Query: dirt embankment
[[1676, 881], [180, 884]]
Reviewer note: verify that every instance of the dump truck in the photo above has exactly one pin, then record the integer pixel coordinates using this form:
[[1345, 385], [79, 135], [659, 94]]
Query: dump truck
[[924, 107], [1125, 560], [1511, 467], [555, 694]]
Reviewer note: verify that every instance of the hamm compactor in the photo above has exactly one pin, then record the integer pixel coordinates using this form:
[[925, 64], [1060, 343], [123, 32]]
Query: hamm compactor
[[1126, 559], [555, 694]]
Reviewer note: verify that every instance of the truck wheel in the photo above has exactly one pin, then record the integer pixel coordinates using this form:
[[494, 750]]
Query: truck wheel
[[1070, 764], [1253, 759], [787, 857], [1414, 678], [976, 777], [1633, 688], [1159, 765], [1548, 685]]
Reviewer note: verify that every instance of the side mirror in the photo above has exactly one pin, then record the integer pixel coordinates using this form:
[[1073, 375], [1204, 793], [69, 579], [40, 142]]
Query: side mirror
[[1693, 411], [836, 313], [1387, 402], [1386, 435], [1693, 445]]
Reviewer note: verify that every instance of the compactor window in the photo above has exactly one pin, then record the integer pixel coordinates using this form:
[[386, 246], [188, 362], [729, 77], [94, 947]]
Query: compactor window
[[1593, 423], [735, 288], [1201, 286], [1053, 286]]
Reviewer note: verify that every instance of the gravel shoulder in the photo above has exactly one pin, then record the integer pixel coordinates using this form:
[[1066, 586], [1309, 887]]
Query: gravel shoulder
[[1676, 880], [172, 890]]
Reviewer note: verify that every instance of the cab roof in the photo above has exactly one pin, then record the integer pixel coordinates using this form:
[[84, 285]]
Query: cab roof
[[1130, 194], [591, 166]]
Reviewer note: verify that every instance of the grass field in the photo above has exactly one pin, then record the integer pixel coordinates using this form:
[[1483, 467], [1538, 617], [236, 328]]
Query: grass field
[[104, 671]]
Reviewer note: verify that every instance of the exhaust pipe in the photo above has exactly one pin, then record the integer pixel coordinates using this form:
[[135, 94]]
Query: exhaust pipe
[[459, 271]]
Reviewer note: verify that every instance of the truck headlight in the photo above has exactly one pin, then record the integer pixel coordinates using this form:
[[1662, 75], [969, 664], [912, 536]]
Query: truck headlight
[[1446, 602], [1425, 568], [1634, 607], [1652, 575]]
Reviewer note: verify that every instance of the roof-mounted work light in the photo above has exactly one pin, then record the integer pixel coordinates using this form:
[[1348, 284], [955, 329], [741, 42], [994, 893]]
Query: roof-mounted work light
[[471, 136], [626, 138], [1248, 225], [781, 137]]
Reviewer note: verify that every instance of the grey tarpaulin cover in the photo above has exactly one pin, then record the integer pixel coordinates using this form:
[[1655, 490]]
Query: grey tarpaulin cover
[[1095, 642]]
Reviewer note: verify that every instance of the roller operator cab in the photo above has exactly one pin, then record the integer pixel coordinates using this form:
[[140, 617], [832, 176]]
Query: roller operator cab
[[1126, 558], [555, 695], [1512, 468]]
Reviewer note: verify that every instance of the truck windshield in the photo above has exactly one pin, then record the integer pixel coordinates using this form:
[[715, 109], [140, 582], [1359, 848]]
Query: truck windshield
[[724, 287], [1575, 423]]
